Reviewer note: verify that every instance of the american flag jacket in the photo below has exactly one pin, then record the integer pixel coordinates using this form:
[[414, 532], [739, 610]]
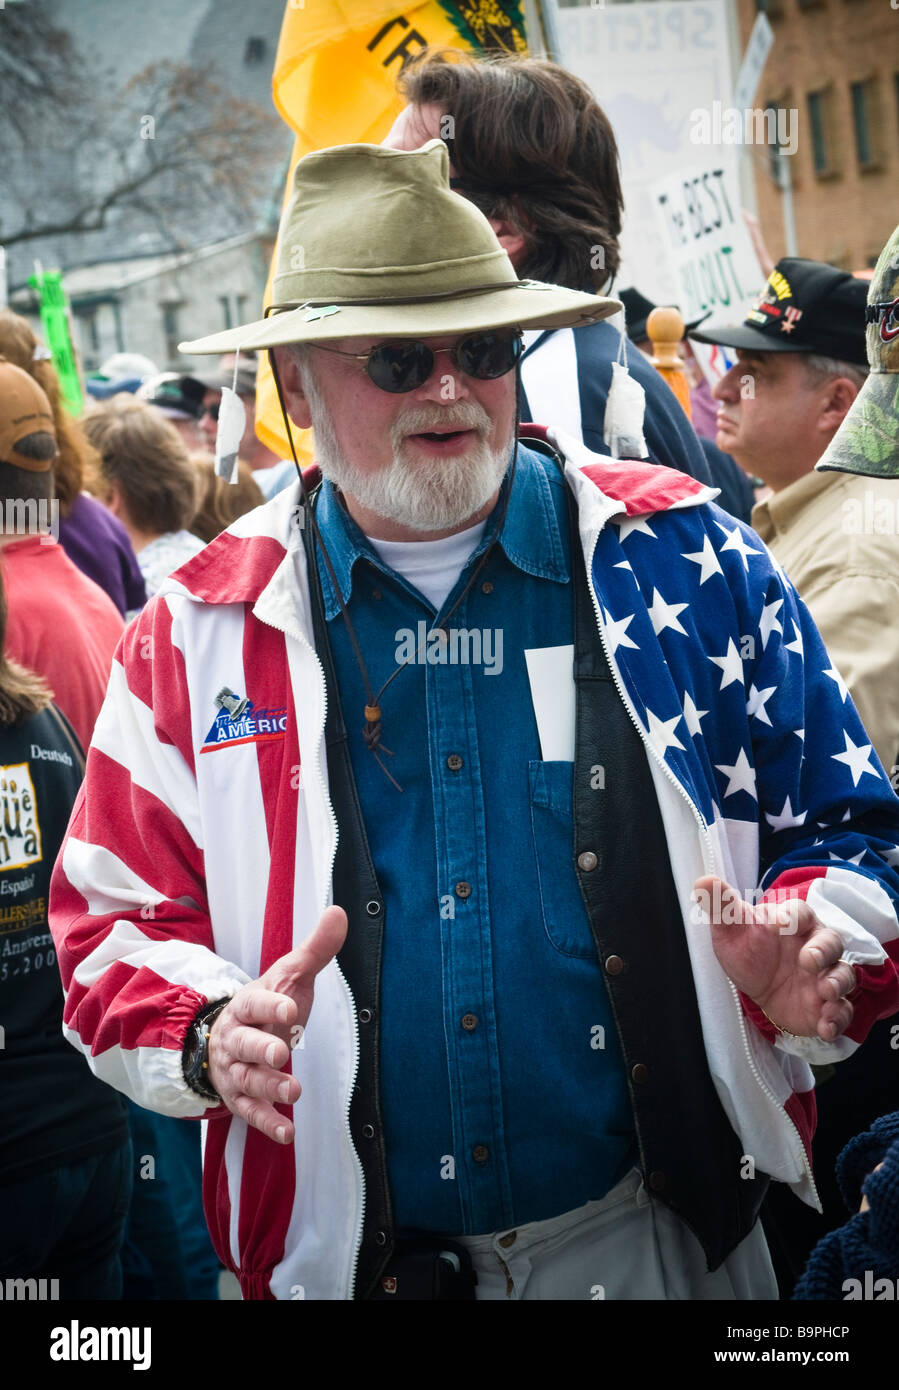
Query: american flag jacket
[[201, 847]]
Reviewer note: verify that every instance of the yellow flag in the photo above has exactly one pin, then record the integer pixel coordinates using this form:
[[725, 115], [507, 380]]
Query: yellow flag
[[334, 83]]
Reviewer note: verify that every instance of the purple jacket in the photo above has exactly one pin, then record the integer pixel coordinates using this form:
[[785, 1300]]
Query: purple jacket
[[97, 542]]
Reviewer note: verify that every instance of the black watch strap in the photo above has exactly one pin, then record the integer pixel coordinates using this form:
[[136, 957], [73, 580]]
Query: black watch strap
[[195, 1057]]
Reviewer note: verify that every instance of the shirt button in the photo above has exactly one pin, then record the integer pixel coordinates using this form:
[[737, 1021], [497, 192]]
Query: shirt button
[[487, 586], [376, 593], [463, 889], [640, 1073], [368, 1131], [469, 1022], [454, 762], [587, 861], [480, 1153], [614, 965], [509, 1239]]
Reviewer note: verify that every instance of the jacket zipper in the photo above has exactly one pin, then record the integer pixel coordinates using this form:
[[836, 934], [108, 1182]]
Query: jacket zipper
[[357, 1242], [709, 857]]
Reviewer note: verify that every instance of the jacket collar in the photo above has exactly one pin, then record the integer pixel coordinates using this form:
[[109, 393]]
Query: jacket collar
[[530, 535], [241, 563]]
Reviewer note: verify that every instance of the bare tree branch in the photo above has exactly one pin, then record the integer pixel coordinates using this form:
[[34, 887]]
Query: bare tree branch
[[170, 139]]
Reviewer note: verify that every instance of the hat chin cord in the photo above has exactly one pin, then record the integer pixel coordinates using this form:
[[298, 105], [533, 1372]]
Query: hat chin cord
[[373, 726]]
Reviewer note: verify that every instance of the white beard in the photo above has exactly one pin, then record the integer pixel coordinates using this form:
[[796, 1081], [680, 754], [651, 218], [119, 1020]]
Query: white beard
[[430, 495]]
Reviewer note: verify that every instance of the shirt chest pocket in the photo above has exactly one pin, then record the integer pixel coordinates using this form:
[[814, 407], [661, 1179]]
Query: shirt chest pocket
[[565, 919]]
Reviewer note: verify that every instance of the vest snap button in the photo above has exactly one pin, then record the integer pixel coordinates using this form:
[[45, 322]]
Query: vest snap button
[[587, 861]]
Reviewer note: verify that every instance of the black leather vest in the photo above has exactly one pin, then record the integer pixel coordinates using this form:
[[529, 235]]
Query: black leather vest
[[689, 1155]]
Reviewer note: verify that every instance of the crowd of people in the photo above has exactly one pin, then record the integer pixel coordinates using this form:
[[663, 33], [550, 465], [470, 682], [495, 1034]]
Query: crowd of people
[[567, 964]]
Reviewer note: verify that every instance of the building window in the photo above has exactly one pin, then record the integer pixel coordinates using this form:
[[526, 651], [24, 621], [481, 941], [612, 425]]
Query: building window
[[820, 116], [170, 329], [225, 302], [254, 51], [90, 338], [866, 123], [241, 301]]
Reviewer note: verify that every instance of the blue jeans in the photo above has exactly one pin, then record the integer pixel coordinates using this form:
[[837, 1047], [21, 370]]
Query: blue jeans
[[168, 1253], [68, 1224]]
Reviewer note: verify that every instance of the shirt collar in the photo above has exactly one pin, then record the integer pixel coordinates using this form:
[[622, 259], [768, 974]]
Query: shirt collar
[[531, 537], [778, 512]]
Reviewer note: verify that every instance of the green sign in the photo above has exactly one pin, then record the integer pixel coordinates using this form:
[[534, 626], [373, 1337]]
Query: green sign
[[55, 319]]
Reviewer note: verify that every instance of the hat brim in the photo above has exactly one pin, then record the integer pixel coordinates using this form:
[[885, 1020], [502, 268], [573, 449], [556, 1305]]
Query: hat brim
[[528, 304], [867, 441], [747, 338]]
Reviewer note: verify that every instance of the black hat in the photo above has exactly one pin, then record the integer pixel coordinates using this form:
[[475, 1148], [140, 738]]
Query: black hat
[[637, 309], [180, 397], [218, 377], [806, 306]]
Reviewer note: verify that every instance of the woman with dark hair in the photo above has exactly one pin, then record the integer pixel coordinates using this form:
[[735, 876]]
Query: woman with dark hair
[[65, 1154], [92, 538], [534, 151]]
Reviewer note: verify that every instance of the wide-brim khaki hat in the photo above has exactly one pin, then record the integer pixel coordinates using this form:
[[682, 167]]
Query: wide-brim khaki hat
[[867, 441], [374, 243]]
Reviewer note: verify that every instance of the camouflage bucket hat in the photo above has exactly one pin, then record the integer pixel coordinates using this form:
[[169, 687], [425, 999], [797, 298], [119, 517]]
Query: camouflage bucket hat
[[867, 442]]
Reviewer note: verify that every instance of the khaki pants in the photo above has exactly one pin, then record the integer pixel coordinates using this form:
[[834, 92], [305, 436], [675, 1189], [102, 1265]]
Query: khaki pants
[[625, 1246]]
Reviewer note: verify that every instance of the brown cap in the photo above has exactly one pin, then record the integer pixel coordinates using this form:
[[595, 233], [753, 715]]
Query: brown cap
[[24, 410]]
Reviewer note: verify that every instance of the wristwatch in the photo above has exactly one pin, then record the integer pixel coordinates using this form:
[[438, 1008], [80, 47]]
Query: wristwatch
[[195, 1056]]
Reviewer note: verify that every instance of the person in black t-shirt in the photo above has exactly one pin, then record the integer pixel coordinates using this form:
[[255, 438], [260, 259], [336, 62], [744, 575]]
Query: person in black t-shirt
[[65, 1152]]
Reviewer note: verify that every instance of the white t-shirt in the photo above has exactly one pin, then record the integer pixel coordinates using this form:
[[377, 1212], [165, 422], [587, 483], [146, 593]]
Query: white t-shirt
[[432, 567]]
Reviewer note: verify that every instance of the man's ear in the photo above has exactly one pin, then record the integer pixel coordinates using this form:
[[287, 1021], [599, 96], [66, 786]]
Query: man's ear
[[292, 385], [511, 238], [841, 392]]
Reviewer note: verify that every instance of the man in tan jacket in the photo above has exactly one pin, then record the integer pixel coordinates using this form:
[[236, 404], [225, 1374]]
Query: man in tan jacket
[[801, 363]]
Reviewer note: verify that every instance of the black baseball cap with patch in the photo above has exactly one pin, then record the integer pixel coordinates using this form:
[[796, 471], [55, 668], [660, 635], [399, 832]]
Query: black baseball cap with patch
[[806, 306]]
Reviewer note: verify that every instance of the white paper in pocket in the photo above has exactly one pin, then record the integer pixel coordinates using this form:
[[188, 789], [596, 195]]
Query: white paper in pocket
[[551, 674]]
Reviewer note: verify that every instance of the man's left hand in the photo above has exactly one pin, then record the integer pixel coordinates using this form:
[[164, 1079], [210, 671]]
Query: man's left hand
[[781, 956]]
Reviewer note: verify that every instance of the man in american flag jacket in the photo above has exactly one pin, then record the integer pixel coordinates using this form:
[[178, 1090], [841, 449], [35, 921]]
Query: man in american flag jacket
[[199, 866]]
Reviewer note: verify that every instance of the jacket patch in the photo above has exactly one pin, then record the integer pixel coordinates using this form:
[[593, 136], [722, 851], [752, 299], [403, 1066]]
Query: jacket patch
[[239, 722]]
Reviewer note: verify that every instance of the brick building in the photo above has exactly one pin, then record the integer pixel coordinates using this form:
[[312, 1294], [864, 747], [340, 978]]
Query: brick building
[[836, 64]]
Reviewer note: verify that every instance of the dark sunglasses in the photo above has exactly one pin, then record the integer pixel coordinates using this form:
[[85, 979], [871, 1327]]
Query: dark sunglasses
[[398, 367], [211, 410]]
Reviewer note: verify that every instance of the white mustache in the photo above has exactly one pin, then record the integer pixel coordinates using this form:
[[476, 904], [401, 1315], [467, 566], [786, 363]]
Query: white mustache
[[465, 415]]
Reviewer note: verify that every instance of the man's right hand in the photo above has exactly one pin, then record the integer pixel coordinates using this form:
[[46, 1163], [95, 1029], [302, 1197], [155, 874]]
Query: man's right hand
[[251, 1039]]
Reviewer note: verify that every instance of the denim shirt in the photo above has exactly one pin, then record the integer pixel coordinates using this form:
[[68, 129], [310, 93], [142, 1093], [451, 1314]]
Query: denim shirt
[[504, 1097]]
